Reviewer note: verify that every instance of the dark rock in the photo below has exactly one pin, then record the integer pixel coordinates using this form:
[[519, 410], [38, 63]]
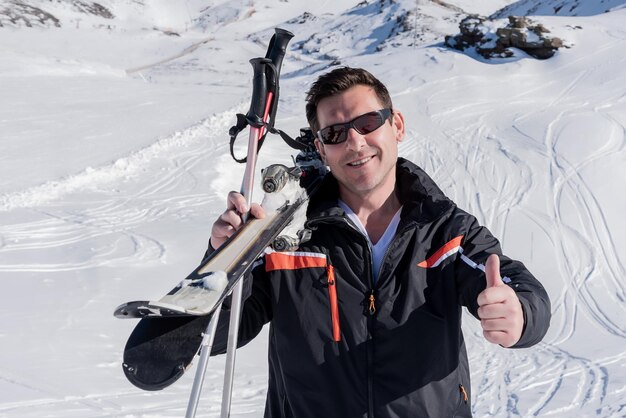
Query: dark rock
[[541, 53], [95, 9], [518, 22], [520, 33], [18, 13]]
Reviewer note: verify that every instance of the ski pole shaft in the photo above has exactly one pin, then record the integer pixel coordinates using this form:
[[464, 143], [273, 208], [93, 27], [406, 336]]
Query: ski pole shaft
[[256, 133], [233, 334], [205, 353]]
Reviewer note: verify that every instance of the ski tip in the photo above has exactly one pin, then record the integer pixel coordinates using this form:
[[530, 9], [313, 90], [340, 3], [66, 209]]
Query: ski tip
[[146, 309], [130, 310], [152, 378]]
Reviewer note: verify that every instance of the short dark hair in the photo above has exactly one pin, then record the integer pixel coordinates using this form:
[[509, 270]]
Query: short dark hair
[[337, 81]]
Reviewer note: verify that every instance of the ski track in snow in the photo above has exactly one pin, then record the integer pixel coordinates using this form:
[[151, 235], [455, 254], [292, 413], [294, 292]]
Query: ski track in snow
[[584, 252], [112, 215], [248, 394]]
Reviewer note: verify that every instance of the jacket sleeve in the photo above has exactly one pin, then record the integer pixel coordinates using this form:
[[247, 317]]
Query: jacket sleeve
[[478, 243], [256, 309]]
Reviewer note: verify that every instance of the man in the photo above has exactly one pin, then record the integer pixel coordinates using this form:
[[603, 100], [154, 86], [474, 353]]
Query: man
[[366, 315]]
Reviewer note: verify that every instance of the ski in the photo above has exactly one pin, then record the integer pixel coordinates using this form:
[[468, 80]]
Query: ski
[[167, 338], [205, 288]]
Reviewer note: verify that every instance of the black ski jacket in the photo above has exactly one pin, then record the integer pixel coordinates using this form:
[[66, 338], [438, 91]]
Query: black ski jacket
[[341, 346]]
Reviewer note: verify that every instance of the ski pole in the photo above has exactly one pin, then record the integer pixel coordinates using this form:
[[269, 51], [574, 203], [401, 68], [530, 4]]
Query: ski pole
[[269, 68], [264, 102], [261, 102], [257, 107]]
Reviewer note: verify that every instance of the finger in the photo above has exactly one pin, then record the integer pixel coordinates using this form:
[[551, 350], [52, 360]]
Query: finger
[[221, 230], [491, 311], [497, 324], [230, 218], [499, 337], [492, 271], [257, 211], [236, 201], [220, 233], [493, 295], [225, 226]]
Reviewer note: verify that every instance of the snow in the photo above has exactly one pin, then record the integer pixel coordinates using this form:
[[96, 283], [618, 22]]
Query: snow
[[216, 281], [114, 161], [560, 7]]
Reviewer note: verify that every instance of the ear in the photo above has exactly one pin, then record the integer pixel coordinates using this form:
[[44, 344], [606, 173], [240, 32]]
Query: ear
[[398, 124], [320, 149]]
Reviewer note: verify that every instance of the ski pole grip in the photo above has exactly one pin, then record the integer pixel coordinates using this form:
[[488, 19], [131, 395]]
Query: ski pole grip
[[259, 92], [278, 47]]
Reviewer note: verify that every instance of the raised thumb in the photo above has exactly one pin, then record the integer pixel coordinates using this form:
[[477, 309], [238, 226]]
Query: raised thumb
[[492, 271]]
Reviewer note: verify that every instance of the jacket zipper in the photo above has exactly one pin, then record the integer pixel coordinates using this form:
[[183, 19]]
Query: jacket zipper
[[463, 399], [463, 393], [371, 310], [372, 304]]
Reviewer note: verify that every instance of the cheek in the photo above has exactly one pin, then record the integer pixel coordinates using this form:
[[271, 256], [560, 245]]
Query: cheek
[[331, 158]]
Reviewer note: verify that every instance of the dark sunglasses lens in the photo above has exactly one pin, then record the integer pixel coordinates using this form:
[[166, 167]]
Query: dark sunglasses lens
[[368, 123], [333, 134], [364, 124]]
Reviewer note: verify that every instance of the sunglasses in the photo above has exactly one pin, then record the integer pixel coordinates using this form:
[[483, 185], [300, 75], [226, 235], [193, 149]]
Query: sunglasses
[[364, 124]]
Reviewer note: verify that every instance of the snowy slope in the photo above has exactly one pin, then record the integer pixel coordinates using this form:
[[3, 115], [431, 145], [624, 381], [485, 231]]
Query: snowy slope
[[114, 162], [560, 7]]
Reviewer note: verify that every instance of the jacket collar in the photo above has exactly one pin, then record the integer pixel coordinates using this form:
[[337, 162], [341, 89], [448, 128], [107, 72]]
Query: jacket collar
[[421, 198]]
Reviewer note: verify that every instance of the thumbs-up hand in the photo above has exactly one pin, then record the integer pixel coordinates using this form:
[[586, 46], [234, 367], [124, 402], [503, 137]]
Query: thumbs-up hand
[[500, 311]]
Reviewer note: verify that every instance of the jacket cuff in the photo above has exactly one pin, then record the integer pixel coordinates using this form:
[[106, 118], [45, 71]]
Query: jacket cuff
[[210, 250], [530, 334]]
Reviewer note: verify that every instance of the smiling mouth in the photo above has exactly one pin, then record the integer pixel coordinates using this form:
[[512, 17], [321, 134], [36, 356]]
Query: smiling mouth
[[360, 162]]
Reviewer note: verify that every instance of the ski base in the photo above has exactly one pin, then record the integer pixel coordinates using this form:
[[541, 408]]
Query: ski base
[[159, 350]]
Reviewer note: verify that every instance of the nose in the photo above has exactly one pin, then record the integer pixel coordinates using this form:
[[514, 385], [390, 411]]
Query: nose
[[355, 141]]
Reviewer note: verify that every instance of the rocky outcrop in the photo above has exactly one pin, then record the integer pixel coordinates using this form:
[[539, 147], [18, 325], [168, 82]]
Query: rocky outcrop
[[16, 13], [28, 13], [520, 33]]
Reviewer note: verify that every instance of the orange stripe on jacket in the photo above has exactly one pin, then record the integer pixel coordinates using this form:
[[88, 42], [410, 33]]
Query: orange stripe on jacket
[[450, 247], [293, 261], [334, 305]]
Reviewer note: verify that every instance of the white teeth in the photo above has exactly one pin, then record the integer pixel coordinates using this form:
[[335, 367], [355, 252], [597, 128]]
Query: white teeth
[[359, 162]]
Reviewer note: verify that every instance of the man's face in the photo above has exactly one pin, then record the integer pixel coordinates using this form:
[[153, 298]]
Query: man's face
[[364, 165]]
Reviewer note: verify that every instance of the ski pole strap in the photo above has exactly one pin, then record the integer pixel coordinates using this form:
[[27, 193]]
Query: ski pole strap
[[301, 143], [242, 122], [293, 143]]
